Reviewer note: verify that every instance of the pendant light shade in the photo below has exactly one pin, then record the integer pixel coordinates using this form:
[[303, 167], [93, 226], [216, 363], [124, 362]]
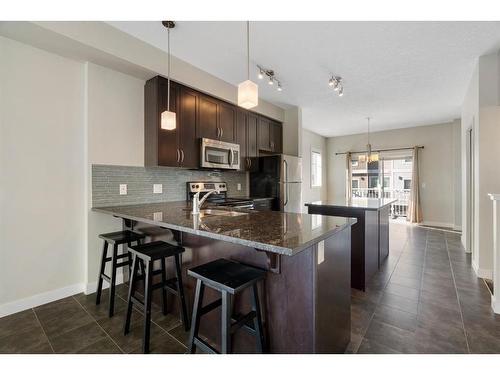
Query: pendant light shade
[[248, 94], [248, 91], [168, 118]]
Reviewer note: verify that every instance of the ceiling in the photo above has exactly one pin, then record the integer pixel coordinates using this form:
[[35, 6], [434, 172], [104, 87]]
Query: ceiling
[[402, 74]]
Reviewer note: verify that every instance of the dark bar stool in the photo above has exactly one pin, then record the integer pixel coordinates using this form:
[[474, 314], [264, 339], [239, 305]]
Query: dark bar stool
[[125, 237], [229, 278], [146, 254]]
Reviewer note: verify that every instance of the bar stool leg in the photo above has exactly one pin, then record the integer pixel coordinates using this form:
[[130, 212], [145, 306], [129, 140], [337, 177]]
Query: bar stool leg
[[226, 323], [147, 306], [180, 290], [131, 291], [163, 290], [257, 322], [101, 271], [113, 281], [198, 303]]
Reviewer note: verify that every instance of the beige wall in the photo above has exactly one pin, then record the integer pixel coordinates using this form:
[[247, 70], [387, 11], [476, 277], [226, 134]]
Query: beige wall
[[42, 176], [438, 170], [312, 141]]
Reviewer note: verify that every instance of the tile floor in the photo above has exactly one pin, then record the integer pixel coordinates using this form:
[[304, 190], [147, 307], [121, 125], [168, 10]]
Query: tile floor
[[425, 299]]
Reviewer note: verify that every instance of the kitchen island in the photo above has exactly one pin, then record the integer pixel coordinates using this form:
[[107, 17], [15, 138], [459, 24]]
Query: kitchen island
[[306, 294], [370, 235]]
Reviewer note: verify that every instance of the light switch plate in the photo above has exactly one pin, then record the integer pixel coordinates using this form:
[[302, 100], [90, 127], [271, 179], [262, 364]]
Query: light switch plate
[[238, 187], [158, 216], [123, 189], [157, 188]]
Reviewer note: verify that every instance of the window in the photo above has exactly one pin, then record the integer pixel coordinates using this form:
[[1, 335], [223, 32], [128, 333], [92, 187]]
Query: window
[[354, 163], [355, 184], [316, 170], [407, 160], [387, 182], [407, 184], [372, 182]]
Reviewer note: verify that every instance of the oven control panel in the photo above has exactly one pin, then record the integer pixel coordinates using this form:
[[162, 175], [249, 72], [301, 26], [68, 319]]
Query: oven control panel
[[195, 187]]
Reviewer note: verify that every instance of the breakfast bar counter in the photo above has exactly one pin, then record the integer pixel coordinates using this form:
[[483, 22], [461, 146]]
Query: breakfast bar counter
[[306, 294]]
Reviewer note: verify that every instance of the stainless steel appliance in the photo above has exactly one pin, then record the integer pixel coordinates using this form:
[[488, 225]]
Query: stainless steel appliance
[[219, 155], [279, 177], [220, 199]]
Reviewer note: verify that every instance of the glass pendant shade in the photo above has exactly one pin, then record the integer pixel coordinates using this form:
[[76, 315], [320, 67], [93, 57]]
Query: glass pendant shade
[[168, 120], [248, 94]]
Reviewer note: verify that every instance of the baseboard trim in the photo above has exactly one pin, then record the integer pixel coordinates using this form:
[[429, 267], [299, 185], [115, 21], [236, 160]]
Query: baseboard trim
[[438, 224], [92, 287], [482, 272], [39, 299]]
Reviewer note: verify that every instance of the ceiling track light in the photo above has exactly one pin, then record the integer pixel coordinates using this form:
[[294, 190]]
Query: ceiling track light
[[336, 83], [269, 73]]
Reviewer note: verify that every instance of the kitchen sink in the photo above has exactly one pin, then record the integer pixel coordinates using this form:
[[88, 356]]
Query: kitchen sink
[[211, 211]]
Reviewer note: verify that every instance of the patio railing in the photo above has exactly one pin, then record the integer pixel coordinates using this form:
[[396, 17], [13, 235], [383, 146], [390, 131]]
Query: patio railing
[[398, 208]]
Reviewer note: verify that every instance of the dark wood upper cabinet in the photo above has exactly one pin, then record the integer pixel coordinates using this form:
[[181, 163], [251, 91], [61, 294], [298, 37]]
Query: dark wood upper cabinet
[[276, 137], [208, 118], [264, 136], [227, 122], [201, 116], [252, 146], [188, 142]]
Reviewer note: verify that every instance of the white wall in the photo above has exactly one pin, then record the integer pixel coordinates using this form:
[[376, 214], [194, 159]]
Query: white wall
[[42, 176], [438, 169], [115, 126], [312, 141]]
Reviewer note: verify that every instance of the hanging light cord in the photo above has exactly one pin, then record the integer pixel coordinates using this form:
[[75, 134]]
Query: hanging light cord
[[248, 50], [168, 70]]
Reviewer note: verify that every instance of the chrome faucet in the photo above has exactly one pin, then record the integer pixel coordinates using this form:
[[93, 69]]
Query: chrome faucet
[[197, 203]]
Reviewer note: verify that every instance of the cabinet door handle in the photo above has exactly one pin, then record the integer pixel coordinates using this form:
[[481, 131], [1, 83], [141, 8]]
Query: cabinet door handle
[[178, 155], [218, 132], [249, 163], [221, 132], [182, 155]]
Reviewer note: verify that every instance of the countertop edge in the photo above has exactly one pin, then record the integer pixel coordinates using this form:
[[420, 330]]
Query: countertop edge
[[256, 245], [350, 207]]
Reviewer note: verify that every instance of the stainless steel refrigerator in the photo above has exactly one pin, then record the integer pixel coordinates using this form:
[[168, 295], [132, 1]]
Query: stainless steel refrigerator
[[279, 177]]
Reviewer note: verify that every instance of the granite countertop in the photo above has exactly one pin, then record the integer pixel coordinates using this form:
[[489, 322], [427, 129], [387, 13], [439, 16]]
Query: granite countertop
[[276, 232], [357, 203]]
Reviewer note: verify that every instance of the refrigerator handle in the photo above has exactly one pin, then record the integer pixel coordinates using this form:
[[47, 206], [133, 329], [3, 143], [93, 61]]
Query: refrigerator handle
[[285, 165]]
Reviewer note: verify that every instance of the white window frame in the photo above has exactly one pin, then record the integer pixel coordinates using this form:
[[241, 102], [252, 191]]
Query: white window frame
[[316, 151]]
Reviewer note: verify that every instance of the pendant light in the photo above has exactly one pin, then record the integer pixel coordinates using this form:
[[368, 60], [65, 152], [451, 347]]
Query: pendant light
[[369, 157], [168, 118], [248, 91]]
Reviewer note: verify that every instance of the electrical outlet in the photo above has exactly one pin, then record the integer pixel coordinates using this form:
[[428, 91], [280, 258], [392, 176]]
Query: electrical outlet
[[238, 187], [123, 189], [158, 216], [157, 188]]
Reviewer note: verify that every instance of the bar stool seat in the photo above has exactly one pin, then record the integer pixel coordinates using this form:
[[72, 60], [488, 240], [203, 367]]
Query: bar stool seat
[[126, 237], [122, 237], [144, 256], [229, 278]]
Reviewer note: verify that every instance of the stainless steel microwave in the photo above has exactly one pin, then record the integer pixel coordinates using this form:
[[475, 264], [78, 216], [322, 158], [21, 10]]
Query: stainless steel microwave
[[219, 155]]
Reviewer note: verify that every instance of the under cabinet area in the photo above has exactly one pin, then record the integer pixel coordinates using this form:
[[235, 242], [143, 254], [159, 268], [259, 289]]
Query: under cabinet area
[[201, 116]]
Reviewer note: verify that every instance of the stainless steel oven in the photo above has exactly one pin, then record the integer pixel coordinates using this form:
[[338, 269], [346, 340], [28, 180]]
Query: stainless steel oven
[[219, 155]]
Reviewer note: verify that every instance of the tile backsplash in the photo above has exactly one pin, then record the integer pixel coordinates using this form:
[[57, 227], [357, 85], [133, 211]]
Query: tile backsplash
[[106, 180]]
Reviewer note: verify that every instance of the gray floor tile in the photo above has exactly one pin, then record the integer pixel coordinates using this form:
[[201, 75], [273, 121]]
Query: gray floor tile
[[103, 346], [17, 323], [78, 338], [28, 341]]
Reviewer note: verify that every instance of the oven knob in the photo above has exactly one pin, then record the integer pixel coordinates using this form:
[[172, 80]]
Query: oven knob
[[193, 186], [197, 186]]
